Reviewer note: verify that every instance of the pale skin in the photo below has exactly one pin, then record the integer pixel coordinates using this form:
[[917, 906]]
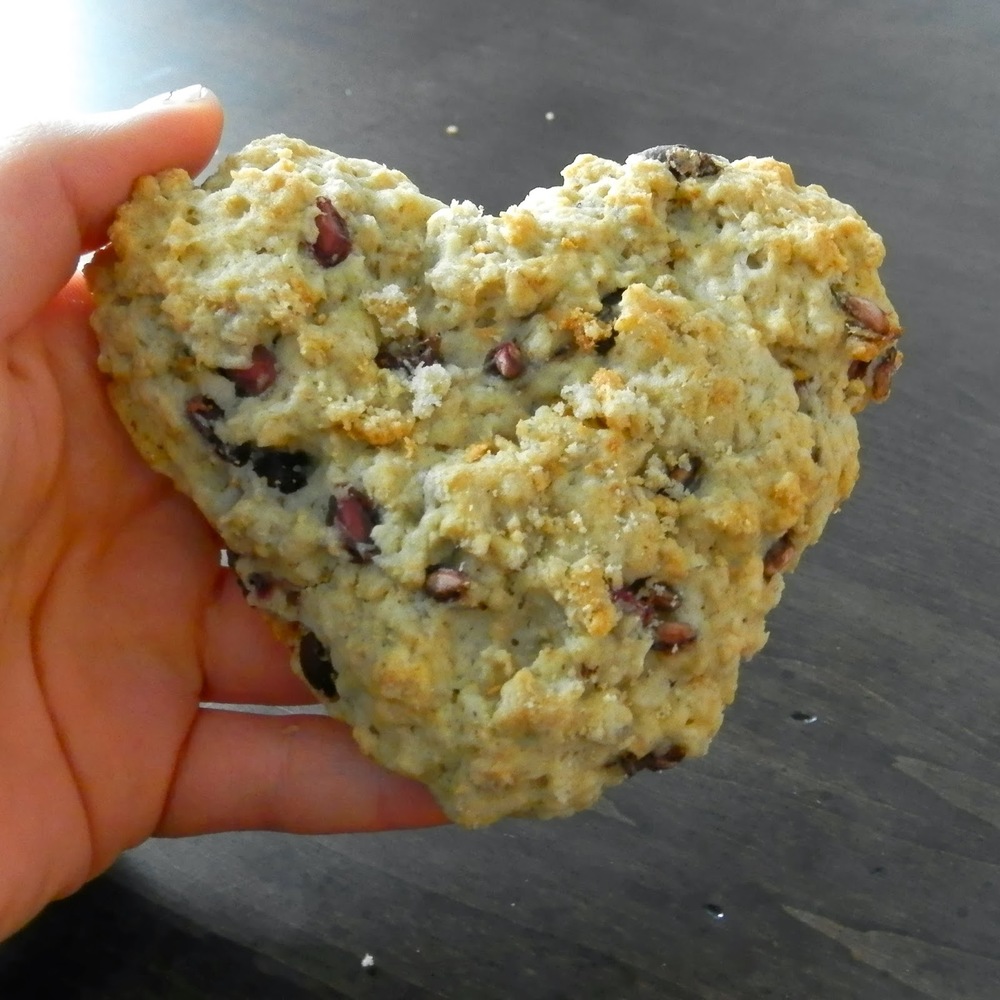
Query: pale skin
[[117, 622]]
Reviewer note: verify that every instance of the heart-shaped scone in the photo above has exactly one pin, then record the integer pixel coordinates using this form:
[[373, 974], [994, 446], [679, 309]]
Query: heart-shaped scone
[[520, 489]]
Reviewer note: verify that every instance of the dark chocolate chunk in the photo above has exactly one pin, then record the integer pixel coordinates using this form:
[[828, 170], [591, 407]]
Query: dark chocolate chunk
[[610, 306], [654, 761], [203, 414], [286, 471], [261, 585], [689, 477], [684, 162], [316, 665], [410, 354]]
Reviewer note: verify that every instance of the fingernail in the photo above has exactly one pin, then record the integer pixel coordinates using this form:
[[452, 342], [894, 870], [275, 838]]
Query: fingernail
[[186, 95]]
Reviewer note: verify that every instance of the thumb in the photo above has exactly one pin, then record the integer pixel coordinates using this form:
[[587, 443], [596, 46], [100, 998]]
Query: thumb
[[60, 183]]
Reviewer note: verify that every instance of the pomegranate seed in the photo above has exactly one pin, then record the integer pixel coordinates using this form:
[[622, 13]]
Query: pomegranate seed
[[868, 314], [882, 374], [663, 598], [258, 377], [671, 637], [651, 602], [857, 370], [354, 515], [779, 556], [333, 242], [446, 584], [505, 360], [628, 600]]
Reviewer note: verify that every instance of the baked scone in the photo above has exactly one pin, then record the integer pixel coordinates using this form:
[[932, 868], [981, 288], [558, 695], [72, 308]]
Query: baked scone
[[520, 490]]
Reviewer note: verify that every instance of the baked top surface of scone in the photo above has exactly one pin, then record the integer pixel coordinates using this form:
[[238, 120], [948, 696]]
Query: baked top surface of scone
[[520, 488]]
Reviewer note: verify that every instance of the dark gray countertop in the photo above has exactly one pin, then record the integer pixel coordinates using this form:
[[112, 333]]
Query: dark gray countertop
[[856, 856]]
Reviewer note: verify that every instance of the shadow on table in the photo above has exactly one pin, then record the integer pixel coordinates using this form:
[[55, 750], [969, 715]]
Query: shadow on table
[[108, 941]]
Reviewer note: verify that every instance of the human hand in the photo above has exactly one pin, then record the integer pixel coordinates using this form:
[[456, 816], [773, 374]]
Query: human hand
[[116, 621]]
